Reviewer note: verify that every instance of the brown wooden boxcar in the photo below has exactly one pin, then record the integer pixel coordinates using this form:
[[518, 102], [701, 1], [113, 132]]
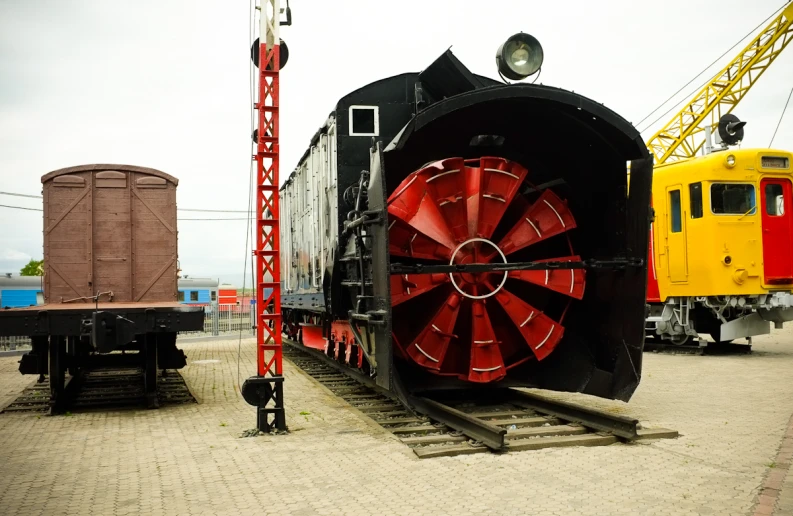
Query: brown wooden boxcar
[[110, 279], [110, 229]]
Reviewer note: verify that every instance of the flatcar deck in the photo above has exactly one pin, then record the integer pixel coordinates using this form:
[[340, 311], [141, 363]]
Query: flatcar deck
[[518, 422]]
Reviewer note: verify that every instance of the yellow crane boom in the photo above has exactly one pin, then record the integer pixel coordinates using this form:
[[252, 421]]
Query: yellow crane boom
[[683, 136]]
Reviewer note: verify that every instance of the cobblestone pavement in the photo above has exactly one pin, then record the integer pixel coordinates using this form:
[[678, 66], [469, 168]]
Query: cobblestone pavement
[[731, 411]]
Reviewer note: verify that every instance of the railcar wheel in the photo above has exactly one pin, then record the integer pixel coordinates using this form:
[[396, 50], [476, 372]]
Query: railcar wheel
[[476, 326]]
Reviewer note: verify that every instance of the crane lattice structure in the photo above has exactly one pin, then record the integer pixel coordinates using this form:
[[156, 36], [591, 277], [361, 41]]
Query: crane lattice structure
[[684, 135]]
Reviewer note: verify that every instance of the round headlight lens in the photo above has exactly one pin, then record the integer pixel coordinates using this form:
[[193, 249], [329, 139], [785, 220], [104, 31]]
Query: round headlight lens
[[519, 57], [730, 160]]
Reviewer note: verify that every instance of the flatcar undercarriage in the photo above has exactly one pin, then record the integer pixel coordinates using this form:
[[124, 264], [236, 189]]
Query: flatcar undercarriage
[[70, 340]]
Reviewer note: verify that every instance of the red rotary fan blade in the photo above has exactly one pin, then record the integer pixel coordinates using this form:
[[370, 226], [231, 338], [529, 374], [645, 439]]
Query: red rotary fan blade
[[405, 240], [408, 286], [432, 200], [570, 282], [487, 365], [491, 187], [541, 333], [429, 348], [547, 217], [417, 214]]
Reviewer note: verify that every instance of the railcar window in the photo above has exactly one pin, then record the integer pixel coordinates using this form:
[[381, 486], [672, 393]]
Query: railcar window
[[180, 295], [732, 199], [674, 211], [213, 295], [774, 200], [695, 194], [194, 295], [364, 121]]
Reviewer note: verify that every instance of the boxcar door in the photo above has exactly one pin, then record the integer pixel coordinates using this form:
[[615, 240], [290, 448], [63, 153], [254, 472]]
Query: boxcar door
[[777, 220], [676, 235]]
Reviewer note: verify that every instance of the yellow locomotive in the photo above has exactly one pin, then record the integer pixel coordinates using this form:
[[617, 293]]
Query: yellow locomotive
[[721, 246]]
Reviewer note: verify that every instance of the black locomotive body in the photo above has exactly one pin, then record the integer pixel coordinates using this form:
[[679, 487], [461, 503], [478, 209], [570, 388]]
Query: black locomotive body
[[416, 225]]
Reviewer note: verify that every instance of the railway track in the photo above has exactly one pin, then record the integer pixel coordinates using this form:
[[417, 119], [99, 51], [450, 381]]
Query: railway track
[[505, 420], [102, 389]]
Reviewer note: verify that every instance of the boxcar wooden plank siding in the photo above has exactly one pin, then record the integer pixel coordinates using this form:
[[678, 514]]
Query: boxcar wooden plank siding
[[110, 228]]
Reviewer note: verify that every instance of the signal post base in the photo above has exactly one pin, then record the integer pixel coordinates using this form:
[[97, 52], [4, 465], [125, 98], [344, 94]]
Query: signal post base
[[266, 393]]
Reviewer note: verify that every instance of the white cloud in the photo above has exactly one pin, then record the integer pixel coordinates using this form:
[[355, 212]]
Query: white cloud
[[12, 255]]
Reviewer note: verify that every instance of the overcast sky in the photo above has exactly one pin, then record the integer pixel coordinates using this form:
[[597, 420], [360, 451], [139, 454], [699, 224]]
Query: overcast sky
[[165, 84]]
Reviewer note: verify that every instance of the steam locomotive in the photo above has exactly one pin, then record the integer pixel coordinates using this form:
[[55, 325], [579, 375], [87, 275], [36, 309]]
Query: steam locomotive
[[445, 230]]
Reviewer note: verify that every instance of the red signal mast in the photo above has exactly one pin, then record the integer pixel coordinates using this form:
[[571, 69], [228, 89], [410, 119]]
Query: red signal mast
[[265, 390]]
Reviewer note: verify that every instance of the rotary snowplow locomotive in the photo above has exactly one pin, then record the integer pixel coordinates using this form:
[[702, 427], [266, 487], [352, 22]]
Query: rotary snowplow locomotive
[[445, 230]]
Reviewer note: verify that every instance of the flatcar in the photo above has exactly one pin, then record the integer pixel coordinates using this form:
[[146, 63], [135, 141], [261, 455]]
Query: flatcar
[[110, 278], [445, 230], [721, 254]]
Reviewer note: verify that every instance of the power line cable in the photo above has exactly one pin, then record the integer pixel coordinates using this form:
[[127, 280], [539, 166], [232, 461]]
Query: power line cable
[[695, 77], [248, 229], [178, 209], [781, 117], [207, 218]]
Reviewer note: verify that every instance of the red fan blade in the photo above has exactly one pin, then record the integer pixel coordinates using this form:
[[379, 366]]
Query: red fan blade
[[570, 282], [405, 240], [487, 365], [541, 333], [408, 286], [411, 204], [491, 188], [446, 185], [547, 217], [430, 346]]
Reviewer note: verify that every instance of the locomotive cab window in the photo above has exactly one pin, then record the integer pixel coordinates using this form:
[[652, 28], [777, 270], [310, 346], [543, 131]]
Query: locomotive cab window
[[364, 121], [695, 197], [774, 200], [674, 211], [732, 199]]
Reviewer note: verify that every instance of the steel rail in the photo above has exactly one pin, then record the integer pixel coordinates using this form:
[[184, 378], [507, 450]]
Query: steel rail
[[620, 426], [490, 435]]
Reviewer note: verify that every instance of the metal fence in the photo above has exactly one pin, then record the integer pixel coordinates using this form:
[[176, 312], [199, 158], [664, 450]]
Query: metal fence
[[225, 319], [218, 320]]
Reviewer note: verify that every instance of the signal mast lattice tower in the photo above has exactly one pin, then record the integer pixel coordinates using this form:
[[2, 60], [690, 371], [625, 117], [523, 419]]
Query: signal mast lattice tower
[[265, 391]]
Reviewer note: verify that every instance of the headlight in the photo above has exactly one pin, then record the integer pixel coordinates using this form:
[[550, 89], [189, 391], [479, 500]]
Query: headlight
[[730, 161], [519, 57]]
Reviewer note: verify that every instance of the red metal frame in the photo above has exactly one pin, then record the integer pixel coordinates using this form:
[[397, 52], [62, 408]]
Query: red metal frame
[[268, 238]]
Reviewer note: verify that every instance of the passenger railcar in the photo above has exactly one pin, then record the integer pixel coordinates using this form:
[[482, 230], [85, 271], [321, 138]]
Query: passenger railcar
[[198, 291], [722, 246], [18, 291], [446, 230], [110, 278]]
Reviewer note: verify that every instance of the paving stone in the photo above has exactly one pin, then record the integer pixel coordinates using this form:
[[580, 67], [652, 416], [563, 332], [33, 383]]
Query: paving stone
[[731, 413]]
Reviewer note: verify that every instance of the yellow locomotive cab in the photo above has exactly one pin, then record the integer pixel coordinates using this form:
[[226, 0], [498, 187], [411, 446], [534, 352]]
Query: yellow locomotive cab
[[721, 245]]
